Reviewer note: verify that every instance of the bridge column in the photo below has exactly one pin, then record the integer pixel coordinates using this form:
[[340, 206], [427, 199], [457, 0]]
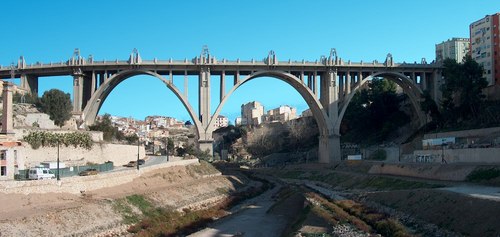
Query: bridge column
[[205, 141], [29, 83], [93, 83], [77, 92], [437, 81], [315, 84], [222, 85], [7, 124], [348, 83], [360, 78], [329, 140], [423, 81]]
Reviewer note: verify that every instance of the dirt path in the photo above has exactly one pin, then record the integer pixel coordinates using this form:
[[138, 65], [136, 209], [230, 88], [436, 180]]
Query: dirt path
[[249, 219]]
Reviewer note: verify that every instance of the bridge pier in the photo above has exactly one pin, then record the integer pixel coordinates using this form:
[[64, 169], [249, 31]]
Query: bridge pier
[[329, 149], [29, 83], [206, 145], [77, 92]]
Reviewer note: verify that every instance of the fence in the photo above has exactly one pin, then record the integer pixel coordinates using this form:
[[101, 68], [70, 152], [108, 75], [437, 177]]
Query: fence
[[69, 171]]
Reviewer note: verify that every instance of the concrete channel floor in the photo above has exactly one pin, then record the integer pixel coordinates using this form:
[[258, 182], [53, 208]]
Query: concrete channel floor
[[249, 219]]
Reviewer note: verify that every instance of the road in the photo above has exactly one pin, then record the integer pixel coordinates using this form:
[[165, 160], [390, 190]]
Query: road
[[149, 161], [248, 219]]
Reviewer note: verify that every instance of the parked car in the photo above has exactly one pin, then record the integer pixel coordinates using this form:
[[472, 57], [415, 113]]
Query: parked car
[[132, 163], [142, 161], [88, 172]]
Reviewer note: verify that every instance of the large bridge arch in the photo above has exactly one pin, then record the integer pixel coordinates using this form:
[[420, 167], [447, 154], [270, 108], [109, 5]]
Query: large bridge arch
[[325, 128], [95, 102], [409, 88]]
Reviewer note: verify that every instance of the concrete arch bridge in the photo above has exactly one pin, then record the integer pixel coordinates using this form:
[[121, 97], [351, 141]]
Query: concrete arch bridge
[[327, 85]]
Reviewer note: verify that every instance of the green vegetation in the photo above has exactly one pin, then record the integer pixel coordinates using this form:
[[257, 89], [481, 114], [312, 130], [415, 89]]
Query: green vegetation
[[463, 102], [42, 139], [57, 105], [374, 113], [483, 174], [110, 132], [26, 98]]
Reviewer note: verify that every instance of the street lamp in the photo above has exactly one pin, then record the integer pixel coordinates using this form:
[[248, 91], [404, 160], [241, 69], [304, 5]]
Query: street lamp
[[138, 141], [442, 152], [58, 178]]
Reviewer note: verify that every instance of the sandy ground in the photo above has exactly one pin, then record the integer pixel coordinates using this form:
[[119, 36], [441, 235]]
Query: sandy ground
[[92, 214]]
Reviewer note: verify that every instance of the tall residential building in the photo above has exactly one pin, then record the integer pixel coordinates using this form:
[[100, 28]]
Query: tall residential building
[[281, 114], [454, 48], [251, 113], [485, 48]]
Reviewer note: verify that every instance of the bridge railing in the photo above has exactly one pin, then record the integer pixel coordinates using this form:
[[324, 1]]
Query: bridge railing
[[220, 62]]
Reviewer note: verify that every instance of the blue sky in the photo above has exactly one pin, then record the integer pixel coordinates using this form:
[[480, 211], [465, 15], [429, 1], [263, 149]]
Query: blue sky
[[48, 31]]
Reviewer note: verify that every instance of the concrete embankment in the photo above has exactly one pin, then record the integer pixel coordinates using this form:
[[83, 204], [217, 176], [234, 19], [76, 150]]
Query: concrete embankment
[[448, 172]]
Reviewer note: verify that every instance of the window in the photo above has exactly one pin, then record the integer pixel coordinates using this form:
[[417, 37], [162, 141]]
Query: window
[[489, 71], [3, 171], [3, 154]]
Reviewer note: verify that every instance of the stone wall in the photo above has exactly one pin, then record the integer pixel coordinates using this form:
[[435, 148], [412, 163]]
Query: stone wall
[[470, 155], [483, 132], [100, 153], [453, 172], [80, 184]]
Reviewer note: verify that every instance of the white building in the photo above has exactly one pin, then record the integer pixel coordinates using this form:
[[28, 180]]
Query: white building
[[251, 113], [281, 114], [221, 121], [454, 48]]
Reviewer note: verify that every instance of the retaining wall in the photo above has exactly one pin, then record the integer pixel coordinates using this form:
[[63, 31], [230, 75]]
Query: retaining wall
[[79, 184], [450, 172], [71, 156]]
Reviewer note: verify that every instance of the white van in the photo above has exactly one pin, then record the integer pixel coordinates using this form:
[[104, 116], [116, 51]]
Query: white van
[[41, 173]]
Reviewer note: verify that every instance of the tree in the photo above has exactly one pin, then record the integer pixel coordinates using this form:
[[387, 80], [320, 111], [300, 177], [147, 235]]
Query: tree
[[374, 113], [463, 90], [57, 105], [170, 145], [109, 132]]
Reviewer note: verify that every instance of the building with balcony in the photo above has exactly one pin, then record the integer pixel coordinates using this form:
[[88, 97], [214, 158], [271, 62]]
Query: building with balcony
[[221, 121], [281, 114], [251, 113], [485, 49], [454, 48]]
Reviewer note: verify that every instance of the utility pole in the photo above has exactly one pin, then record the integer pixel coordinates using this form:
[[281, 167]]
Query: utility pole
[[138, 142]]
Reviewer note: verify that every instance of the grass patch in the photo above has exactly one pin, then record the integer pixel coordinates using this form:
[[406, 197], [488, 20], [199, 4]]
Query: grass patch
[[123, 207]]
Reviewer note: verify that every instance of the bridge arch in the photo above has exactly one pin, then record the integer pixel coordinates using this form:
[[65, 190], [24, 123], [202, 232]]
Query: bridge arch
[[325, 128], [409, 88], [94, 104]]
